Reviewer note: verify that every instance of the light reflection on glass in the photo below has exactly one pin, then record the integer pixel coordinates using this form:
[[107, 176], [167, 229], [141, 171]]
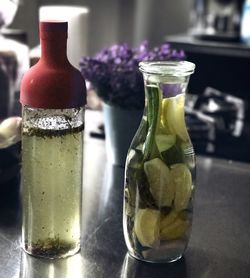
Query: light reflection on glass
[[106, 187], [129, 267], [111, 189], [64, 268], [133, 268]]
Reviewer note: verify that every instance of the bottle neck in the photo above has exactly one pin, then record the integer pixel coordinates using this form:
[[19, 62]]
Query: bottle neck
[[169, 86], [54, 52]]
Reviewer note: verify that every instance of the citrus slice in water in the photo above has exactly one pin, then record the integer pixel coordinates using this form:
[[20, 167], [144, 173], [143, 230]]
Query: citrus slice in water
[[161, 187], [147, 227], [164, 107], [182, 180], [164, 142], [169, 219], [175, 230], [175, 117]]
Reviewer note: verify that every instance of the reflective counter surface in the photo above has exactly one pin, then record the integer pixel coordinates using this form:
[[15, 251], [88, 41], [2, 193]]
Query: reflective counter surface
[[219, 245]]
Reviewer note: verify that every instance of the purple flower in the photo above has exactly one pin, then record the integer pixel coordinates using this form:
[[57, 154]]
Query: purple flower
[[115, 74]]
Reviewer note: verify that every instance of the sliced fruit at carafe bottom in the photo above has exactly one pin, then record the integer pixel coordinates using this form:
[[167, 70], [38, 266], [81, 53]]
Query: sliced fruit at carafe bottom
[[164, 142], [174, 230], [169, 219], [182, 180], [147, 224], [174, 115], [161, 187]]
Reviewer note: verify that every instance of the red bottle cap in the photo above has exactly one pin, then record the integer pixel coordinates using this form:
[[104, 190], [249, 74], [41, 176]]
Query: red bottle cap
[[53, 83], [53, 30]]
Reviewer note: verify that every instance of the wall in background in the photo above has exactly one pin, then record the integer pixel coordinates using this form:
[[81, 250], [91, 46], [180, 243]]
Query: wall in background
[[156, 19], [110, 21], [26, 19], [115, 21]]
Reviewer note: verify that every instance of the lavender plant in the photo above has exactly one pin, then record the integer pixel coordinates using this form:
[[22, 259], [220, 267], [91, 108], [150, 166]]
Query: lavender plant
[[114, 72]]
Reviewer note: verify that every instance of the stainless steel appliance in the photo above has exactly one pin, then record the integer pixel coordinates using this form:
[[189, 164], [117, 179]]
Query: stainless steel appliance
[[217, 19]]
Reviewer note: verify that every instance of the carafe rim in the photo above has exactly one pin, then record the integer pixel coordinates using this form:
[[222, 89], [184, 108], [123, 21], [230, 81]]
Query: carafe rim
[[167, 68]]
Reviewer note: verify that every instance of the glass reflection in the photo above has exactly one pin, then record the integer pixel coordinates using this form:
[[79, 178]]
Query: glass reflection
[[133, 268], [32, 267], [111, 195]]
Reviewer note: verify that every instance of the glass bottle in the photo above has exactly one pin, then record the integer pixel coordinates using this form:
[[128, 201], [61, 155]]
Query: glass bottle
[[53, 96], [160, 168]]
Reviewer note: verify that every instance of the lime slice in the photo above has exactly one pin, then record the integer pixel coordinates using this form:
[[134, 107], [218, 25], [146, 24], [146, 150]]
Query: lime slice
[[147, 223], [175, 117], [175, 230], [164, 142], [169, 219], [161, 188], [182, 179]]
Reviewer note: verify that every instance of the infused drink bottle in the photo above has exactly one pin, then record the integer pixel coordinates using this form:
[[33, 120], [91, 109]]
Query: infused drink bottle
[[53, 96], [160, 168]]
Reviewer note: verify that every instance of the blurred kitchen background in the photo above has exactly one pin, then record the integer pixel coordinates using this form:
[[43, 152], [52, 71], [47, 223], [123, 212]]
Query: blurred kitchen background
[[113, 21], [215, 35]]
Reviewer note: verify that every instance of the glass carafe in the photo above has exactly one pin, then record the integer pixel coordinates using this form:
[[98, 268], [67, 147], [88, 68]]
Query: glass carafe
[[160, 168]]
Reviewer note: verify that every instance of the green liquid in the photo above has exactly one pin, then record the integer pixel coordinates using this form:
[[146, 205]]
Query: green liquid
[[51, 189]]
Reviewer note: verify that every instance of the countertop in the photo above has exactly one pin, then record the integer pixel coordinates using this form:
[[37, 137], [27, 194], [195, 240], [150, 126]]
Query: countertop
[[219, 245], [194, 44]]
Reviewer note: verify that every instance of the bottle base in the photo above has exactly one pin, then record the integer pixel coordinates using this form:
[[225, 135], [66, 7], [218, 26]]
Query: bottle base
[[157, 261], [51, 254]]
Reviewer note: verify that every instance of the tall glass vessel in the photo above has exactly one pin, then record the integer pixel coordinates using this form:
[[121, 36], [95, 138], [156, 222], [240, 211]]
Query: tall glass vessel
[[53, 95], [160, 168]]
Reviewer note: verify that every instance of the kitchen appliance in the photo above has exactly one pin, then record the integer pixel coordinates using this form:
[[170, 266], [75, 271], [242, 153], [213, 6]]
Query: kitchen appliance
[[216, 19]]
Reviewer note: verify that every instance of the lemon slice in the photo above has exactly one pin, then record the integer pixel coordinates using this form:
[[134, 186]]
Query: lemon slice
[[161, 188], [182, 180], [162, 129], [175, 230], [164, 142], [175, 117], [169, 219], [164, 109], [147, 227]]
